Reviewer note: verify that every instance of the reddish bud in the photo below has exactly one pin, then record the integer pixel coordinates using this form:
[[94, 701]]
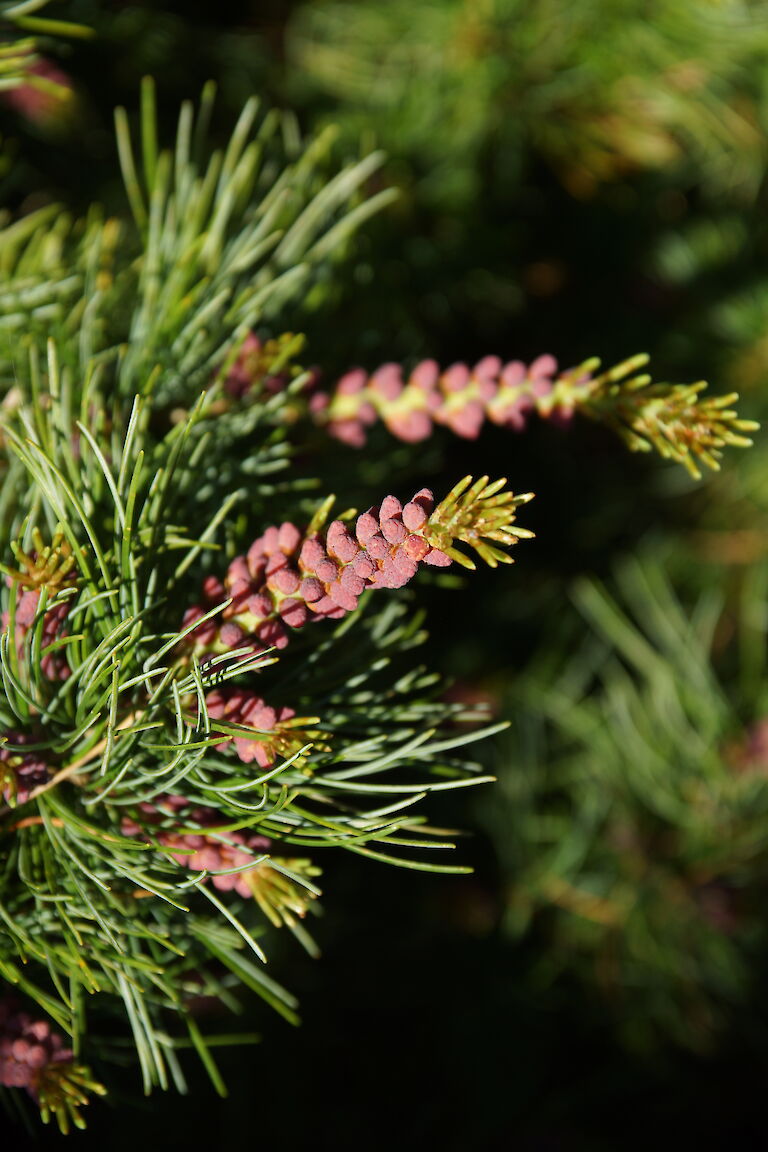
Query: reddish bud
[[543, 366], [352, 582], [311, 589], [414, 516], [328, 608], [513, 374], [260, 605], [467, 421], [272, 633], [231, 635], [339, 541], [404, 565], [387, 381], [390, 506], [425, 375], [380, 579], [390, 573], [237, 570], [276, 561], [270, 540], [437, 558], [416, 547], [455, 378], [367, 525], [409, 426], [513, 414], [312, 553], [425, 500], [342, 596], [238, 590], [286, 580], [319, 401], [541, 386], [327, 570], [348, 431], [216, 704], [363, 566], [487, 368], [256, 558], [352, 382], [378, 547], [263, 717], [288, 538], [294, 612], [213, 589], [26, 608], [394, 531]]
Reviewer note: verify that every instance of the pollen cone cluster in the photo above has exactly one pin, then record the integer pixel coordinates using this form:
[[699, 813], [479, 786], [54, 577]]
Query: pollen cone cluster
[[288, 578]]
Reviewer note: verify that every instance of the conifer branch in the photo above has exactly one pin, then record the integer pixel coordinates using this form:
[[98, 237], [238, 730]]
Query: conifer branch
[[673, 419], [34, 1057], [169, 781], [162, 806], [288, 578]]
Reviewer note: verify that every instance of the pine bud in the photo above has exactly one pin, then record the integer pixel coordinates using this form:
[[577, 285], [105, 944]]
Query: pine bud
[[322, 576], [49, 567], [27, 1046], [272, 732], [34, 1057], [20, 772], [674, 419]]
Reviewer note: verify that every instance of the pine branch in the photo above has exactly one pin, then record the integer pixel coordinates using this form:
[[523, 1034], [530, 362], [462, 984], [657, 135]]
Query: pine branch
[[288, 578], [140, 849], [672, 419], [220, 242], [168, 782], [33, 1057], [159, 818]]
